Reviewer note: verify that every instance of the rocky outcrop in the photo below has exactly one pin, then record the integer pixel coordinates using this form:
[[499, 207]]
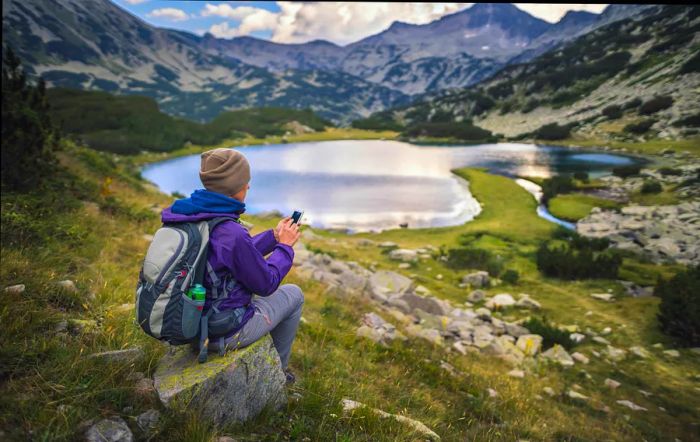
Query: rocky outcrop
[[662, 233], [226, 389]]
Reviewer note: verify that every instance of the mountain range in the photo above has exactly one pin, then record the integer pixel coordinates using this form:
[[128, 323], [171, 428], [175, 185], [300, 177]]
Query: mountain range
[[94, 44]]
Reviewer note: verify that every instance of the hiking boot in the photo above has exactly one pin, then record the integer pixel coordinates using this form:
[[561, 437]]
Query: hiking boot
[[290, 377]]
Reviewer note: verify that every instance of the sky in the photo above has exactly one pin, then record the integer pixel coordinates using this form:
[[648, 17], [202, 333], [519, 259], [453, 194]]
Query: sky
[[299, 22]]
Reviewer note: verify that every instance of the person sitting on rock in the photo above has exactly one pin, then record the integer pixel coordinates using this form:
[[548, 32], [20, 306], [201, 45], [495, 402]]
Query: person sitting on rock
[[237, 261]]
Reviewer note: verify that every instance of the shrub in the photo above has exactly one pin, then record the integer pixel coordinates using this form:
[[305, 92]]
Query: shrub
[[464, 130], [551, 335], [581, 176], [640, 127], [29, 138], [692, 65], [510, 276], [666, 171], [553, 131], [551, 187], [612, 112], [577, 259], [692, 120], [679, 311], [530, 105], [655, 104], [651, 186], [473, 258], [377, 122], [626, 171], [632, 104]]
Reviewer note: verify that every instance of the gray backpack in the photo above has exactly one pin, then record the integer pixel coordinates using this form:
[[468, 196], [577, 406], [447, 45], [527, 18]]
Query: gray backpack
[[176, 260]]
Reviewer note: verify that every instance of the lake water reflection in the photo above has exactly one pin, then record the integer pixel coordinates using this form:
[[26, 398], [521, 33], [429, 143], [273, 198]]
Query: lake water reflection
[[374, 184]]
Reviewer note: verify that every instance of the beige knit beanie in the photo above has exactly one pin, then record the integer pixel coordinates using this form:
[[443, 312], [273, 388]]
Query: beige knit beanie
[[224, 171]]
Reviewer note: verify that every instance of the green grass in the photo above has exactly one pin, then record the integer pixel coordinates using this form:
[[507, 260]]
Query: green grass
[[574, 206], [49, 386], [649, 147]]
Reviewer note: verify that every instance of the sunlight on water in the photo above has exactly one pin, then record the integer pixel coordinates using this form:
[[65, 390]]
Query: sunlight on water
[[373, 185]]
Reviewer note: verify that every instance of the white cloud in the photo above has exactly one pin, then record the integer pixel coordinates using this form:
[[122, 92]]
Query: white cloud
[[554, 12], [172, 14], [346, 22], [251, 20]]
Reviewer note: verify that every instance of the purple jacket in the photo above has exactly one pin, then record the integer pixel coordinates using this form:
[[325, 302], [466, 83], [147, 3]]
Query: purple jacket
[[232, 251]]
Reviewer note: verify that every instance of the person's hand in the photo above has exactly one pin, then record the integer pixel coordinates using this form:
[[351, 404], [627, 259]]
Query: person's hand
[[276, 230], [289, 233]]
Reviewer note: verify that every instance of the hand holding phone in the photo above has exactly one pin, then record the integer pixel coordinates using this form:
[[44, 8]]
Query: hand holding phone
[[296, 216]]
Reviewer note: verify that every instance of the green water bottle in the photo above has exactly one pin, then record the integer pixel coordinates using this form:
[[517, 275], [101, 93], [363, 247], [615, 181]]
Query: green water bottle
[[198, 292]]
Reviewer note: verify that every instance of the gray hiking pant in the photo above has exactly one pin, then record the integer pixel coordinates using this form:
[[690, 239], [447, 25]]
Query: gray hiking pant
[[278, 314]]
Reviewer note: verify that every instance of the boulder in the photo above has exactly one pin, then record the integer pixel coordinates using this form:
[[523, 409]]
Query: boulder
[[502, 300], [526, 302], [404, 255], [580, 357], [384, 283], [113, 429], [226, 389], [476, 296], [577, 337], [349, 406], [530, 345], [672, 353], [477, 279], [611, 383], [68, 286], [631, 405], [516, 374], [559, 355], [428, 304], [515, 330], [15, 289], [616, 354], [148, 420], [608, 297], [431, 335], [640, 352]]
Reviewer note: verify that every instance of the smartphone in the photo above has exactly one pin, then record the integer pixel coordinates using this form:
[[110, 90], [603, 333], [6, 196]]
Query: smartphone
[[296, 216]]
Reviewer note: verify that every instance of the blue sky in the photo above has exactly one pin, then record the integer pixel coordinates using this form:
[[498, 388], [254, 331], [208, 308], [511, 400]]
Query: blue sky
[[298, 22]]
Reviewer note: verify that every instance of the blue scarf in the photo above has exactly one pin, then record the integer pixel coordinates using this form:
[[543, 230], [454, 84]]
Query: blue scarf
[[203, 200]]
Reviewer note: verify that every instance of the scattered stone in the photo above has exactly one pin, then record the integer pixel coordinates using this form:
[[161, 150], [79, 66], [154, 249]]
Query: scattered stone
[[483, 313], [577, 337], [68, 286], [477, 279], [512, 329], [438, 276], [616, 354], [646, 393], [603, 297], [476, 296], [428, 304], [502, 300], [404, 255], [419, 427], [606, 331], [225, 439], [125, 355], [580, 357], [672, 353], [148, 420], [559, 355], [526, 302], [61, 326], [15, 289], [384, 283], [113, 429], [431, 335], [601, 340], [549, 391], [612, 384], [147, 237], [516, 374], [226, 389], [530, 345], [631, 405], [378, 330], [144, 387], [576, 395], [404, 266], [448, 368], [491, 392], [640, 352], [388, 245]]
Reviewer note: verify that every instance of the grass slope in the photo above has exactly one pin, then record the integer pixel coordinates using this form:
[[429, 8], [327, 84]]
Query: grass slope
[[574, 206], [90, 229]]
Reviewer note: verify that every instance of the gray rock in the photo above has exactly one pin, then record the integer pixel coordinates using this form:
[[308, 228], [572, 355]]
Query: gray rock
[[148, 420], [428, 304], [530, 345], [611, 383], [109, 430], [516, 330], [580, 357], [68, 286], [477, 279], [384, 283], [226, 389], [559, 355], [404, 255], [631, 405], [476, 296], [526, 302], [388, 245], [576, 395], [125, 355], [603, 297], [15, 289], [502, 300]]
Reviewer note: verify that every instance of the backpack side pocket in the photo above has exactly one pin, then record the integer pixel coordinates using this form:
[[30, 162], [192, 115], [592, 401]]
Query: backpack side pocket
[[191, 315]]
